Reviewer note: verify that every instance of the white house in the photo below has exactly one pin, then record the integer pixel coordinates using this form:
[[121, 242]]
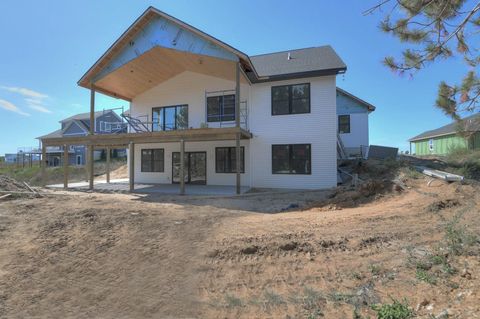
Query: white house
[[193, 94]]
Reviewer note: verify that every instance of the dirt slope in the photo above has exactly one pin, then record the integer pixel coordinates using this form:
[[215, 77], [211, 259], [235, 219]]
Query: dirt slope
[[121, 256]]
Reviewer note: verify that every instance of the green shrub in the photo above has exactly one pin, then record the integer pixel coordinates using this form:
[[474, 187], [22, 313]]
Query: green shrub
[[395, 310]]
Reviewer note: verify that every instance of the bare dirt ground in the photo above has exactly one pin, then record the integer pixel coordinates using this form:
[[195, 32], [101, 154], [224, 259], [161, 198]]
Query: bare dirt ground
[[82, 255]]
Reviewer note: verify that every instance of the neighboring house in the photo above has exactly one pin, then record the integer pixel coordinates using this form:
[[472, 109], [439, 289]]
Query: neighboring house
[[266, 121], [106, 121], [442, 140], [11, 158], [352, 115]]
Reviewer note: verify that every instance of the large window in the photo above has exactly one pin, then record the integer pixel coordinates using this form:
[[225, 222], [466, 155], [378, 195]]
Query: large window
[[221, 108], [291, 159], [291, 99], [225, 160], [344, 124], [153, 160], [170, 118]]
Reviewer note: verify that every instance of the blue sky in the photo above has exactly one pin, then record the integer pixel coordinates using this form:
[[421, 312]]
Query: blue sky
[[48, 45]]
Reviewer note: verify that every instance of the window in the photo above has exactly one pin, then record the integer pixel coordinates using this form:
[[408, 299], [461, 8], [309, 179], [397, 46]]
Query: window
[[152, 160], [291, 159], [430, 144], [225, 160], [170, 118], [221, 108], [291, 99], [344, 124]]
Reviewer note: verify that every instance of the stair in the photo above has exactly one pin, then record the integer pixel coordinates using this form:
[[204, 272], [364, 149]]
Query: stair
[[341, 154], [136, 125]]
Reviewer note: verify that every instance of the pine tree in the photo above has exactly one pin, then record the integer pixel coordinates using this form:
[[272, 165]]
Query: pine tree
[[434, 30]]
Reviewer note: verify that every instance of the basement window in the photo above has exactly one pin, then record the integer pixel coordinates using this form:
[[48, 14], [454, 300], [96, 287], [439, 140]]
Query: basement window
[[291, 159], [153, 160], [291, 99], [221, 108], [225, 159], [344, 124]]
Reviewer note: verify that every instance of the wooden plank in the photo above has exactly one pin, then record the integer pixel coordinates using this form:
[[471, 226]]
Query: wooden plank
[[131, 168], [43, 164], [440, 174], [107, 168], [5, 196], [182, 167], [65, 166]]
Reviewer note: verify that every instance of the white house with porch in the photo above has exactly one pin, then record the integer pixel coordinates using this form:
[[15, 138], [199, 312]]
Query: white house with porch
[[266, 121]]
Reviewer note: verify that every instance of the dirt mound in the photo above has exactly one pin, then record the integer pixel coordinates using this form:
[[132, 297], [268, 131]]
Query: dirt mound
[[11, 185]]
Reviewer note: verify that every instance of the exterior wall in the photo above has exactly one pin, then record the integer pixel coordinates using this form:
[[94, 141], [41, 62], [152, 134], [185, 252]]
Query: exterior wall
[[317, 128], [109, 117], [74, 129], [213, 178], [358, 112], [186, 88], [441, 145]]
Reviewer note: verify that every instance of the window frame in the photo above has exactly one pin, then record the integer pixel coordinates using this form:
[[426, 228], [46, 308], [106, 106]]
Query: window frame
[[290, 99], [290, 158], [230, 148], [163, 108], [349, 124], [222, 108], [152, 160], [431, 146]]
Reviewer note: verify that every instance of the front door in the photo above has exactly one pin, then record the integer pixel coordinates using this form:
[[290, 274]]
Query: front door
[[195, 168]]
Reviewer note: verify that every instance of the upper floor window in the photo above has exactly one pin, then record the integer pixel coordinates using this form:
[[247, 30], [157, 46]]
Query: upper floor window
[[221, 108], [291, 99], [344, 124], [170, 118]]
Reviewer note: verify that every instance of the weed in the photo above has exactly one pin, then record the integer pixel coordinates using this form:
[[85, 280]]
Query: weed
[[438, 259], [272, 299], [457, 238], [341, 297], [232, 301], [375, 269], [395, 310], [311, 301], [424, 275]]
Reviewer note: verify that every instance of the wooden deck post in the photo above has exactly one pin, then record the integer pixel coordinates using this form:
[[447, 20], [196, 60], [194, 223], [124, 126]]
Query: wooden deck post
[[131, 166], [43, 165], [65, 166], [90, 165], [107, 168], [237, 122], [182, 167]]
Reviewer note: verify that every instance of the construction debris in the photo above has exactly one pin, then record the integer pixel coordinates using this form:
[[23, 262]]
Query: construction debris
[[382, 152], [439, 174]]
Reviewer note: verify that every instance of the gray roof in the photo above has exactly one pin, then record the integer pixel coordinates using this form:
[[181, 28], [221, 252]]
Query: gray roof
[[296, 64], [54, 134], [472, 124], [84, 116]]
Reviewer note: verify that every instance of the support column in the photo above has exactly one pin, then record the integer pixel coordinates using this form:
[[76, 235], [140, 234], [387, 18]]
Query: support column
[[43, 165], [237, 123], [108, 164], [182, 167], [65, 166], [91, 167], [131, 166]]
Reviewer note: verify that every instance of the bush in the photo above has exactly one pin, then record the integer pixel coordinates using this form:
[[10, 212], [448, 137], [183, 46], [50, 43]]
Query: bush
[[395, 310]]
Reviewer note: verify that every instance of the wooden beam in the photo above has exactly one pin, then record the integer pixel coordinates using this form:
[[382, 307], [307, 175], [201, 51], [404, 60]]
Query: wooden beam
[[182, 167], [107, 168], [91, 166], [65, 166], [92, 110], [131, 166], [43, 163]]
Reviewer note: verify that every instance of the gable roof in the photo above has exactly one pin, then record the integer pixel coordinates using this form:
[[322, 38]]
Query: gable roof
[[261, 68], [86, 116], [83, 126], [472, 124], [369, 106], [54, 134]]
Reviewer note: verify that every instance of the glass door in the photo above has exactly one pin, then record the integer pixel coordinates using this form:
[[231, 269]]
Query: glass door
[[195, 168]]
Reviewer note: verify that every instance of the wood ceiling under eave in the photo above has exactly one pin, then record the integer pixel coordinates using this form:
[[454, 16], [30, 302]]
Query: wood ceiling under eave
[[159, 65]]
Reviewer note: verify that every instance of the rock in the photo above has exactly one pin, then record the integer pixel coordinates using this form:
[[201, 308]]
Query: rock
[[442, 315], [422, 304], [466, 274]]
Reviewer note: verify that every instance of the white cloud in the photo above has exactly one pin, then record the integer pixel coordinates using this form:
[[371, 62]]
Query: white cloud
[[25, 92], [12, 107], [37, 105]]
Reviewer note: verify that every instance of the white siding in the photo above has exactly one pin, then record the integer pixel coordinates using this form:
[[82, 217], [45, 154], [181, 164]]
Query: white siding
[[208, 147], [317, 128]]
